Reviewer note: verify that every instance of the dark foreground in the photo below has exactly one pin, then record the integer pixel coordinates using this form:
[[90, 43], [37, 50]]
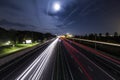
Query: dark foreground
[[61, 59]]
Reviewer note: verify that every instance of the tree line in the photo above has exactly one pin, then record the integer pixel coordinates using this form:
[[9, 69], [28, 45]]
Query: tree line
[[17, 36]]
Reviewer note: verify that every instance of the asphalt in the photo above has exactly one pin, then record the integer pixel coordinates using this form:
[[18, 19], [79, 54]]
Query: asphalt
[[61, 60], [12, 69], [99, 67]]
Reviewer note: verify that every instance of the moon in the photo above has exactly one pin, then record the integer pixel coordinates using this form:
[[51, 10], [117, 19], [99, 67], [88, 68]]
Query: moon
[[56, 6]]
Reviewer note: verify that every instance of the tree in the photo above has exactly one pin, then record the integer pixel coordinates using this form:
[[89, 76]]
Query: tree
[[100, 34], [86, 36], [107, 34], [13, 36], [115, 34], [91, 36]]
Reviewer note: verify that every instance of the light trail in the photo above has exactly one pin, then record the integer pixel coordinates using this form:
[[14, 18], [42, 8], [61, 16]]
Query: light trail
[[90, 61], [96, 52], [72, 50], [35, 70], [100, 42]]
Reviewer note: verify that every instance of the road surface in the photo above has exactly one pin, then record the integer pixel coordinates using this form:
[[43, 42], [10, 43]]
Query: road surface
[[62, 59]]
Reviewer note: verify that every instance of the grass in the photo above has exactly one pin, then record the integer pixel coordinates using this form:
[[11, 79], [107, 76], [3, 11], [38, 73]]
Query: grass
[[12, 49]]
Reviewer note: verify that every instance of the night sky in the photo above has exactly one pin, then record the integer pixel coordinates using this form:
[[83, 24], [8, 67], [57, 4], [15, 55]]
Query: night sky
[[73, 16]]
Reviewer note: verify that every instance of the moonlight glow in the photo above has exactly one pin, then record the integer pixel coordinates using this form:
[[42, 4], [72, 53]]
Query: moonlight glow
[[56, 6]]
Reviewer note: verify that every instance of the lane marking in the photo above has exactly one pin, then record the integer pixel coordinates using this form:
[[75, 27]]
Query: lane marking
[[97, 66], [46, 54], [90, 68], [80, 69], [71, 50]]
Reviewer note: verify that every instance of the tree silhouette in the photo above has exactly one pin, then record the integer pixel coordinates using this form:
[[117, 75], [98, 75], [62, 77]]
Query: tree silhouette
[[107, 34], [115, 34], [100, 34], [100, 37]]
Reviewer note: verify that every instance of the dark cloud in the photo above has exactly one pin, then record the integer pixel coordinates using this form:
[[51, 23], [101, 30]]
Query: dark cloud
[[10, 4], [8, 23], [75, 16]]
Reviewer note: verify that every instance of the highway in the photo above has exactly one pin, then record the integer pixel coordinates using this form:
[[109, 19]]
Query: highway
[[62, 59]]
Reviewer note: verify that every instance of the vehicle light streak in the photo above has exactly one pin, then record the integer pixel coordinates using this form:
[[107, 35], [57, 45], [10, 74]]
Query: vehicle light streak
[[95, 52], [75, 50], [72, 51], [35, 70], [100, 42]]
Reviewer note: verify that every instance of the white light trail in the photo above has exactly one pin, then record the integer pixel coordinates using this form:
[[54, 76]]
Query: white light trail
[[35, 70], [100, 42]]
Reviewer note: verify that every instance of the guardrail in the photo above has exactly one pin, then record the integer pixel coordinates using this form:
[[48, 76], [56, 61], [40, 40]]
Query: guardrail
[[100, 42]]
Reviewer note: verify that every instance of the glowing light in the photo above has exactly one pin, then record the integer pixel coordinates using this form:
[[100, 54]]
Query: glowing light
[[61, 36], [56, 6], [28, 41], [35, 70], [68, 35], [8, 43]]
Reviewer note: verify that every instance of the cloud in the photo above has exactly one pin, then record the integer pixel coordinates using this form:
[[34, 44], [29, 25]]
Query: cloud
[[8, 23], [75, 15], [9, 4]]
